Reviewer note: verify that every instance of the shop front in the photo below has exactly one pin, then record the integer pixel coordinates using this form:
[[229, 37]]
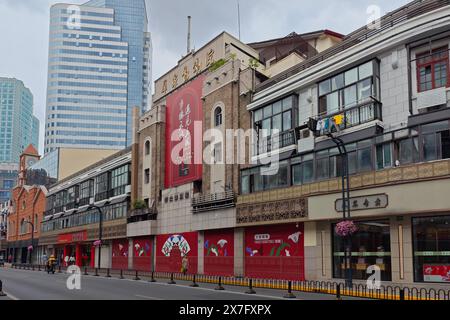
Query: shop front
[[171, 250], [370, 246], [431, 249], [219, 252], [73, 249], [275, 252]]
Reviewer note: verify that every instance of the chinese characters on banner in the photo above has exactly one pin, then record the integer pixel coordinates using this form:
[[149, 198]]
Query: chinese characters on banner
[[184, 132]]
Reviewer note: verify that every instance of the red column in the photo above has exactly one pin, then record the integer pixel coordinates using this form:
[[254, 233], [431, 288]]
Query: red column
[[93, 257], [78, 256]]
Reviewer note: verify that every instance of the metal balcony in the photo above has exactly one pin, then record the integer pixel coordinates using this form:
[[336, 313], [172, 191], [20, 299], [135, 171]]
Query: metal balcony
[[276, 142], [213, 201], [364, 112], [138, 215]]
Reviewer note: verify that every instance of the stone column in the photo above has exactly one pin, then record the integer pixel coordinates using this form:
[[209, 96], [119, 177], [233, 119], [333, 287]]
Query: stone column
[[201, 260], [130, 254], [239, 256]]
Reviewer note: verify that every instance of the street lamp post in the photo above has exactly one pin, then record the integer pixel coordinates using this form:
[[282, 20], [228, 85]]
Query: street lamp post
[[313, 126], [345, 206], [32, 239], [100, 233]]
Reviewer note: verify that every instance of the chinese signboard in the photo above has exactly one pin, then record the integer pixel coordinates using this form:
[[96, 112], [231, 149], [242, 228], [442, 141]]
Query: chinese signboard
[[72, 237], [377, 201], [184, 135]]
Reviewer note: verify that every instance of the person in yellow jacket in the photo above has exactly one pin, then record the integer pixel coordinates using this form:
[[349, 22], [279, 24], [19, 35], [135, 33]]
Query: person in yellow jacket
[[51, 264]]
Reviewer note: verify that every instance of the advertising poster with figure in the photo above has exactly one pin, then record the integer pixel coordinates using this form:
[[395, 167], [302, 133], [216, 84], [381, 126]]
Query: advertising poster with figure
[[275, 252], [171, 249], [120, 254], [142, 254], [219, 252], [184, 132]]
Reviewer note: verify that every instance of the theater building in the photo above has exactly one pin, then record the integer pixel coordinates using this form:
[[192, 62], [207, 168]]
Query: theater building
[[190, 205], [386, 93], [71, 225]]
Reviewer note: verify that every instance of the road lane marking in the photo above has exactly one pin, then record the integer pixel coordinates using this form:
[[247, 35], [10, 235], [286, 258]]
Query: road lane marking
[[9, 295]]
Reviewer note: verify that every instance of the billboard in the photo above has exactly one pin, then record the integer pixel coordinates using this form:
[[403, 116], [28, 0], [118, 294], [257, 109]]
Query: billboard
[[172, 248], [275, 252], [184, 135], [219, 252]]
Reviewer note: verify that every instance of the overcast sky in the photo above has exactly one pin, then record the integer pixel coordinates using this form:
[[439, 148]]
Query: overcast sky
[[25, 24]]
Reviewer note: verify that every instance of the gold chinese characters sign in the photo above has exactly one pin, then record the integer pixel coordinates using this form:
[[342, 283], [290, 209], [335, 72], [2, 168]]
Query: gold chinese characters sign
[[375, 201], [185, 71], [272, 211]]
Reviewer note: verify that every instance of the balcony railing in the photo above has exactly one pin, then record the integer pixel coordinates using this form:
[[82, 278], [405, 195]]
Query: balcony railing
[[214, 201], [363, 113], [276, 142], [138, 215]]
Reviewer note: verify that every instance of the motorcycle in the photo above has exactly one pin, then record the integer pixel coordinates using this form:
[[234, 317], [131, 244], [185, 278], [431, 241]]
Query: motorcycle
[[51, 267]]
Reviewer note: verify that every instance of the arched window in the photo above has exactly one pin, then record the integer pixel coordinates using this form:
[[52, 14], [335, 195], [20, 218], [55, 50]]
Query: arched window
[[22, 226], [218, 117], [36, 223], [147, 148]]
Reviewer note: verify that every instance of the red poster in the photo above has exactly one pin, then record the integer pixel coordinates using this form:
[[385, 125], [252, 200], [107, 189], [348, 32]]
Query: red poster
[[120, 254], [184, 135], [170, 250], [142, 254], [275, 252], [436, 273], [219, 252]]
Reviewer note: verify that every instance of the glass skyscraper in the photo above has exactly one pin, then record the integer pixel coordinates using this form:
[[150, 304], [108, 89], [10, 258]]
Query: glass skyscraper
[[18, 129], [18, 126], [99, 69]]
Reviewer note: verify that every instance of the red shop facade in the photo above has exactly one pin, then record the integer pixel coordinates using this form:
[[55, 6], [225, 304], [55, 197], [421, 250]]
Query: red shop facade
[[73, 248], [219, 252], [275, 252], [171, 248]]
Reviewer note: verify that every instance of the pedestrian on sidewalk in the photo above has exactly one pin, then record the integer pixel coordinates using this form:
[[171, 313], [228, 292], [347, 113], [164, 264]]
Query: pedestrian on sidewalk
[[185, 265]]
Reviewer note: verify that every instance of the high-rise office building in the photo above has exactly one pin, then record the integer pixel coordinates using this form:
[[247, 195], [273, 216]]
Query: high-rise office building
[[99, 69], [18, 129]]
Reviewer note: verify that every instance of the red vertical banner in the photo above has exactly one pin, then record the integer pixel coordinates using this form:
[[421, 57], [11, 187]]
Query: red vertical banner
[[275, 252], [170, 250], [219, 252], [120, 254], [184, 134], [142, 254]]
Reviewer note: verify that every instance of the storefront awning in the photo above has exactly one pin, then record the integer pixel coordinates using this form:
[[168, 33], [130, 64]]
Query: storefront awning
[[69, 213], [47, 218], [119, 200], [83, 209], [58, 215]]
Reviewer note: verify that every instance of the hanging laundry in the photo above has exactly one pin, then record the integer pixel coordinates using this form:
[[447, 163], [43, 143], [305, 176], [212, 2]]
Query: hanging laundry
[[339, 119], [319, 125], [326, 124]]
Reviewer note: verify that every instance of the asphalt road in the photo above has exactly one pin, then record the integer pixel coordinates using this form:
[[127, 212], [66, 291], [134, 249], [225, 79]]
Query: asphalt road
[[35, 285]]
